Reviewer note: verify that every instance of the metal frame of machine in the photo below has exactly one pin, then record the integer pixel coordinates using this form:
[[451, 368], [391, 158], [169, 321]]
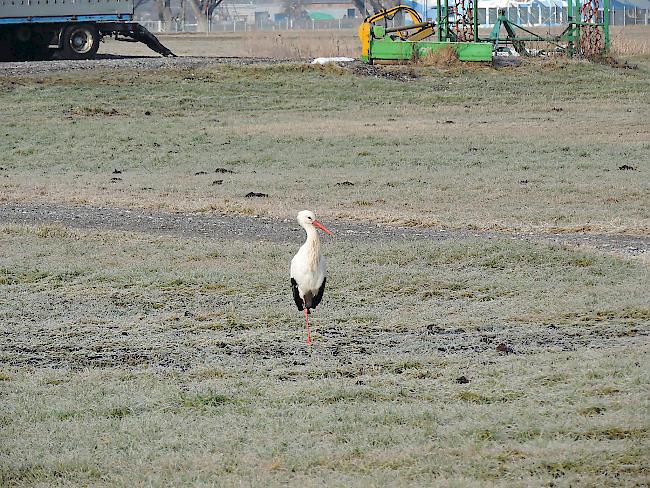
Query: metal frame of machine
[[381, 44], [457, 22], [584, 35], [456, 27]]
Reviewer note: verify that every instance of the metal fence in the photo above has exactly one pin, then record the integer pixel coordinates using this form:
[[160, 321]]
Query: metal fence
[[245, 26], [530, 16], [537, 15]]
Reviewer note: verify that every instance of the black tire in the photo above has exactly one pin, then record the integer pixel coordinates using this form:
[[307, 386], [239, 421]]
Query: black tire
[[80, 41], [40, 50]]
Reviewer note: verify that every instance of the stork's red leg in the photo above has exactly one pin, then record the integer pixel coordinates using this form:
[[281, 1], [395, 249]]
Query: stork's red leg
[[307, 325]]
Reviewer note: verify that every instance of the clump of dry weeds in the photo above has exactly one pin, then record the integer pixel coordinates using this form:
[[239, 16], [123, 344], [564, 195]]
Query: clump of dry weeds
[[621, 46], [614, 62], [445, 58], [90, 111]]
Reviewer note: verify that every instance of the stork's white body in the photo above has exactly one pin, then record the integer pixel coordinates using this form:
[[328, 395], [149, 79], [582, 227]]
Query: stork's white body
[[308, 266]]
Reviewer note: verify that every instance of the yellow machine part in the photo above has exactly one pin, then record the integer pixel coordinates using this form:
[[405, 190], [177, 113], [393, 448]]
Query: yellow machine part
[[423, 34], [364, 28], [364, 37], [390, 13]]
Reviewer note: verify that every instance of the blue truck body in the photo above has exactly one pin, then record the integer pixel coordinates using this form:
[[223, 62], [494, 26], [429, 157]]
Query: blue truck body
[[66, 18], [70, 29]]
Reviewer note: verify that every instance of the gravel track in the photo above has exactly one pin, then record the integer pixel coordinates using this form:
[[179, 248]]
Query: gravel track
[[279, 230], [135, 63], [153, 63]]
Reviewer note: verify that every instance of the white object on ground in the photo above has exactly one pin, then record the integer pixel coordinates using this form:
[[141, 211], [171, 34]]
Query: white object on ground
[[339, 59], [506, 51]]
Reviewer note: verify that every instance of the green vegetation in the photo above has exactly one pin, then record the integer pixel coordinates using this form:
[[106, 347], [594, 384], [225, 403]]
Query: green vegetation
[[536, 147], [165, 360], [132, 359]]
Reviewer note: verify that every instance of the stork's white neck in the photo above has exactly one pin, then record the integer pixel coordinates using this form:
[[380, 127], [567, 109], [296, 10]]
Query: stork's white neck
[[312, 245], [312, 233]]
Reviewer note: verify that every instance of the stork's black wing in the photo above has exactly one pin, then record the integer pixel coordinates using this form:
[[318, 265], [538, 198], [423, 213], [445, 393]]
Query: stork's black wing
[[296, 294], [319, 295]]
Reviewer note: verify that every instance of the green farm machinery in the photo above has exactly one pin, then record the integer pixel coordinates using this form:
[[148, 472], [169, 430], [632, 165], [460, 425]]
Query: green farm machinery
[[586, 33], [456, 28], [381, 44]]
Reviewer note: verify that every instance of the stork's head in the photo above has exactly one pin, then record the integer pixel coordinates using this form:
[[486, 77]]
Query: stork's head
[[306, 218]]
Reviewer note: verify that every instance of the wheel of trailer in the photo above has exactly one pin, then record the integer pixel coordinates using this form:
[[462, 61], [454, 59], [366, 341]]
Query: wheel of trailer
[[26, 44], [80, 41]]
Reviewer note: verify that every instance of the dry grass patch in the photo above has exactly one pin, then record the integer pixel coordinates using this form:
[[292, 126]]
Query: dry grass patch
[[131, 359], [293, 131], [445, 57], [631, 42]]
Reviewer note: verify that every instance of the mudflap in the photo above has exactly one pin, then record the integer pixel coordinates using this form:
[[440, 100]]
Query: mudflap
[[134, 32], [143, 35]]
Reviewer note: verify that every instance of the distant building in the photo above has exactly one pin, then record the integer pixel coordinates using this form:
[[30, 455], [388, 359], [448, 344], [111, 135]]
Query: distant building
[[258, 12]]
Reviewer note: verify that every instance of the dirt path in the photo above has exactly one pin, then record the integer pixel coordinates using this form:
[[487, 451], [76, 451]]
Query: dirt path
[[276, 230], [135, 63]]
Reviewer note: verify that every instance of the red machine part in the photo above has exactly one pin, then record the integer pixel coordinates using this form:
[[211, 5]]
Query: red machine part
[[463, 24], [591, 36]]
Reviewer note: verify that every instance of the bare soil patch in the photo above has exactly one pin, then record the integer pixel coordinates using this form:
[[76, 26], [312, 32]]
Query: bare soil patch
[[280, 230]]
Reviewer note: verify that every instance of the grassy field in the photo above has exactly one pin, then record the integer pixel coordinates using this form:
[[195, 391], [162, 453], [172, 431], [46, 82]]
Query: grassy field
[[134, 359], [131, 359], [533, 148]]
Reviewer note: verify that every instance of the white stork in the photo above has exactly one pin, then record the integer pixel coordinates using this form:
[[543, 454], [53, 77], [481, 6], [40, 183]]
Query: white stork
[[308, 268]]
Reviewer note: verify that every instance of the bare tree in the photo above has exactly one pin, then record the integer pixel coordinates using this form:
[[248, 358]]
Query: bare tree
[[202, 10], [295, 9], [162, 8]]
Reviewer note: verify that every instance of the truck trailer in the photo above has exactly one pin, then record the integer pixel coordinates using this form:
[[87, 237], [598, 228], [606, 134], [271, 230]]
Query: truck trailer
[[67, 29]]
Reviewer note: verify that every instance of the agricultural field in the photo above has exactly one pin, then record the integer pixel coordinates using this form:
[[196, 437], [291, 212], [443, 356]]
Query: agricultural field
[[486, 316]]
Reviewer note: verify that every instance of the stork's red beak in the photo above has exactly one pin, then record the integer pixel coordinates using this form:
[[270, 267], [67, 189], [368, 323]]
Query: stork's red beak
[[321, 226]]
